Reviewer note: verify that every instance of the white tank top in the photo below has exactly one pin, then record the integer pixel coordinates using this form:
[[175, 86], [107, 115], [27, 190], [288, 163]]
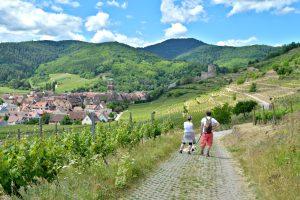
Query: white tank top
[[188, 127]]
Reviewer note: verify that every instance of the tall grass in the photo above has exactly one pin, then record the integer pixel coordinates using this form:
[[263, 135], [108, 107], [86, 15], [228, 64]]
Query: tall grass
[[270, 156]]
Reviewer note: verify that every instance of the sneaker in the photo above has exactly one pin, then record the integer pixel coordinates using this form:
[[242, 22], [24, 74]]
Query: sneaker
[[180, 151], [207, 155]]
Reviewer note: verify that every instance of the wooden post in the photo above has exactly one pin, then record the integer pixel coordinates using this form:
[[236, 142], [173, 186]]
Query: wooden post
[[254, 117], [130, 118], [19, 134], [40, 127], [56, 131], [93, 124], [274, 118], [291, 104], [152, 117]]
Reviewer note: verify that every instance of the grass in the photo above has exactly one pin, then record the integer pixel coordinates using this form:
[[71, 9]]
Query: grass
[[270, 156], [4, 90], [98, 181], [68, 82]]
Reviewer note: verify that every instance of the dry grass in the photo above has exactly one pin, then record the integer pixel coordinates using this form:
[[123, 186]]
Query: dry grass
[[270, 156]]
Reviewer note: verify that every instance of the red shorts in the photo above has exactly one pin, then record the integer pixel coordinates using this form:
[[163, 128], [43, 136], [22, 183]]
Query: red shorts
[[206, 140]]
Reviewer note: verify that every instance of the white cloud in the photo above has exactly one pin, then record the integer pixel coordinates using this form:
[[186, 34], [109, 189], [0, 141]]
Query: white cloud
[[238, 42], [286, 10], [56, 8], [129, 16], [187, 11], [97, 22], [108, 36], [21, 21], [117, 4], [281, 6], [99, 4], [74, 4], [176, 30]]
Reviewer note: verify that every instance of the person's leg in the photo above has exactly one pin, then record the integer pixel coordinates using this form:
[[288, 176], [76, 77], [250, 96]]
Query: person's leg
[[202, 143], [209, 143], [190, 147], [181, 147]]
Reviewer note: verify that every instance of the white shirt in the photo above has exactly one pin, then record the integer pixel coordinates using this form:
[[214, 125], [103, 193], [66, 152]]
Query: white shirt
[[188, 127], [213, 122]]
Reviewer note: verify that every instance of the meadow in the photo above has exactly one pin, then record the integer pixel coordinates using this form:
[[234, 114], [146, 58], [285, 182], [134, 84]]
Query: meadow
[[4, 90]]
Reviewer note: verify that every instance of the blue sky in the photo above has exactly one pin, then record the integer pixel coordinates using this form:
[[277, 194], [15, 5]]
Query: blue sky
[[144, 22]]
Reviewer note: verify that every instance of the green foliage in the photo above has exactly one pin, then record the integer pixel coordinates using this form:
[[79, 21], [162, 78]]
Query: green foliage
[[66, 120], [253, 88], [244, 107], [45, 118], [241, 80], [26, 161], [117, 106], [229, 57], [172, 48], [1, 101], [222, 113], [234, 96]]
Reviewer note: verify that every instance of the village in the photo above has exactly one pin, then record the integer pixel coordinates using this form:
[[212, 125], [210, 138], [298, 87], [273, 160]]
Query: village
[[66, 108]]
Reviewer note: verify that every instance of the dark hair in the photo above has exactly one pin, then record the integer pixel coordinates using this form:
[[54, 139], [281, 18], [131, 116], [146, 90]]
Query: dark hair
[[189, 118], [208, 113]]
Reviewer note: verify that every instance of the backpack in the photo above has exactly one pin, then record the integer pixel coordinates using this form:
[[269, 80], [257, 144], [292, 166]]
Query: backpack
[[208, 126]]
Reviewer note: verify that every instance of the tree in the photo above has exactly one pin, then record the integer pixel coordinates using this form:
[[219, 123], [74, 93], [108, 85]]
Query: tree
[[253, 87], [1, 101], [66, 120], [45, 118], [5, 118], [244, 107], [222, 113]]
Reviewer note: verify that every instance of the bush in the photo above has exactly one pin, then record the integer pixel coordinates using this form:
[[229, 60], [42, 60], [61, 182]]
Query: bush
[[222, 113], [244, 107], [241, 80], [66, 121], [253, 87]]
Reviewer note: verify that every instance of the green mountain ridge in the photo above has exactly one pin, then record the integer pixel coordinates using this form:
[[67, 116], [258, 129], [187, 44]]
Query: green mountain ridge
[[170, 49]]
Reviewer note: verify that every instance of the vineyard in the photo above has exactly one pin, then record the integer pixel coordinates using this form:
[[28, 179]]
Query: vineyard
[[26, 161]]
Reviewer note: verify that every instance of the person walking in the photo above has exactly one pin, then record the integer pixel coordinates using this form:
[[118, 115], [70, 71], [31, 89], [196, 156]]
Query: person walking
[[189, 135], [208, 124]]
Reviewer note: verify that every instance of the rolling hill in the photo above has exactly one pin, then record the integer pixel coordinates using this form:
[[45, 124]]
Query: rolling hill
[[225, 56], [172, 48]]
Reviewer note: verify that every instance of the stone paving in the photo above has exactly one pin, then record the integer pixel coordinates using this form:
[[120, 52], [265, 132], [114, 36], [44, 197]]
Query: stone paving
[[193, 176]]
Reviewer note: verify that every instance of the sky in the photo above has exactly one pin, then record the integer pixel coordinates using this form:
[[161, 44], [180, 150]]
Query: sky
[[144, 22]]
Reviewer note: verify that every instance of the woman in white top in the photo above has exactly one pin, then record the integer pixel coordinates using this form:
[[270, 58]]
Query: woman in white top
[[189, 135]]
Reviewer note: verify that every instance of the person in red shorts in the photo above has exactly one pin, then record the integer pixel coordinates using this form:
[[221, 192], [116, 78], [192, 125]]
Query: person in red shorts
[[208, 124]]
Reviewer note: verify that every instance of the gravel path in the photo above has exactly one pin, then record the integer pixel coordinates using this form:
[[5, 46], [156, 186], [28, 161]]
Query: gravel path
[[193, 176]]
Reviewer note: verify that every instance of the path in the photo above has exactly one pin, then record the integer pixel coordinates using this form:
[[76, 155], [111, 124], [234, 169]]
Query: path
[[263, 103], [193, 176]]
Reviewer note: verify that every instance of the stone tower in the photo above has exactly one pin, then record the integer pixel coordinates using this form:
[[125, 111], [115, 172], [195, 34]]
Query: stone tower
[[110, 86]]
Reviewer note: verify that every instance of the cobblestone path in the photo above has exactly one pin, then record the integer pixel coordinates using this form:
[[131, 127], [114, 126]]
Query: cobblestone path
[[193, 176]]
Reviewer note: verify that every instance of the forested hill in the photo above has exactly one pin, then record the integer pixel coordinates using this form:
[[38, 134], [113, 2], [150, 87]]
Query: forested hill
[[229, 57], [172, 48], [20, 60]]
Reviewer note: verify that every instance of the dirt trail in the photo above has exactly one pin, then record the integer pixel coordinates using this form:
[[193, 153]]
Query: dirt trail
[[193, 176]]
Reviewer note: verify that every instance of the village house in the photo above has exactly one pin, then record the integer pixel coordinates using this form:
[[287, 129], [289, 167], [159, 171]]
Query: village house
[[56, 118], [16, 119], [88, 119]]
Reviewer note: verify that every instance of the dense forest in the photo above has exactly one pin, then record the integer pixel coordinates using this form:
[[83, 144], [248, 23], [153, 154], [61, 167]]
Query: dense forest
[[229, 57], [172, 48]]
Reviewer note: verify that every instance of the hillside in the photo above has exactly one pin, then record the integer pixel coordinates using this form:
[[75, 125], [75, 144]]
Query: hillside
[[130, 68], [172, 48], [225, 56], [19, 60]]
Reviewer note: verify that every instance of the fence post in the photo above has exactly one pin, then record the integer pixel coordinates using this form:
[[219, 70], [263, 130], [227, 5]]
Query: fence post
[[152, 117], [19, 134], [130, 117], [273, 108], [93, 124], [254, 117], [56, 131], [291, 103], [40, 126]]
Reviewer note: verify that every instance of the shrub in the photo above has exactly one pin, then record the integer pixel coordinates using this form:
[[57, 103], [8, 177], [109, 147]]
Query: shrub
[[66, 121], [222, 113], [241, 80], [244, 107], [253, 87]]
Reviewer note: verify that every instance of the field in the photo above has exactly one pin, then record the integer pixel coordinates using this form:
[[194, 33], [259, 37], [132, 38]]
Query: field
[[68, 82], [4, 90]]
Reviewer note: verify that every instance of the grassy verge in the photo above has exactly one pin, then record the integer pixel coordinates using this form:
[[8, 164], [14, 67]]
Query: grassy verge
[[270, 156], [98, 181]]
